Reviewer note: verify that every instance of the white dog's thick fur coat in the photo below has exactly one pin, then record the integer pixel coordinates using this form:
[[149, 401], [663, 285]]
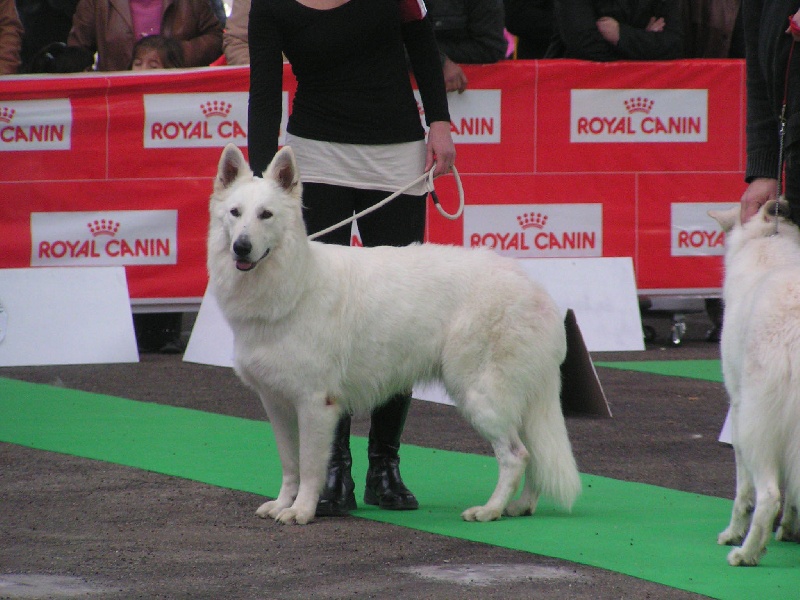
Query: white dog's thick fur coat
[[321, 329], [760, 349]]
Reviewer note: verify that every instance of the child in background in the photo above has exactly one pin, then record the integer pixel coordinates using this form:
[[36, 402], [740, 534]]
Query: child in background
[[157, 52], [158, 332]]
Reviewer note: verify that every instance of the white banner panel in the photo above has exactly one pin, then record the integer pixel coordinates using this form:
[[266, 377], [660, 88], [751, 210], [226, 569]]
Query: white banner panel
[[57, 316]]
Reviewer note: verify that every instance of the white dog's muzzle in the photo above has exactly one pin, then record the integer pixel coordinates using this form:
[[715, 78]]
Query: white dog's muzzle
[[241, 251]]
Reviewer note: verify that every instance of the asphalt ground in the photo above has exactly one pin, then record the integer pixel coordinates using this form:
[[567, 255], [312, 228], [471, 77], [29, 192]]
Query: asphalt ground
[[74, 527]]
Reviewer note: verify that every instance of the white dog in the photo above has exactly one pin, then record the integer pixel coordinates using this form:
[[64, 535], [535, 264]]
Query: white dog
[[323, 329], [760, 349]]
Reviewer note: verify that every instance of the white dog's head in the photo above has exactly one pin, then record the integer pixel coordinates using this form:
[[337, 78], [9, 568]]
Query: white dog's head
[[251, 217], [761, 225]]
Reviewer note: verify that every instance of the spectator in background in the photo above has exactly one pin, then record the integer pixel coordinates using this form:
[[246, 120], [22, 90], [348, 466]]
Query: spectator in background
[[158, 332], [112, 28], [157, 52], [607, 30], [57, 57], [45, 22], [11, 33], [218, 6], [713, 29], [234, 40], [531, 21], [467, 32]]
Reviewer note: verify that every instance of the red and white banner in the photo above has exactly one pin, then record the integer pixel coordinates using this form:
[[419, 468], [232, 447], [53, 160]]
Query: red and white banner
[[558, 159]]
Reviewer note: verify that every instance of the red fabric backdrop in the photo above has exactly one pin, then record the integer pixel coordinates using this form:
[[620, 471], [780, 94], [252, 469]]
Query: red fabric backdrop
[[558, 159]]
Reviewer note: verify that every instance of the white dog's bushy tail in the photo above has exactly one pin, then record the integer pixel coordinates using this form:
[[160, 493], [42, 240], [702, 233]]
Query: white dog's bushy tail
[[551, 470]]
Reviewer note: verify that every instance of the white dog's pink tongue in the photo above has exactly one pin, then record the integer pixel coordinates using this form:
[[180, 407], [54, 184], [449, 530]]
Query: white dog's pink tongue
[[243, 265]]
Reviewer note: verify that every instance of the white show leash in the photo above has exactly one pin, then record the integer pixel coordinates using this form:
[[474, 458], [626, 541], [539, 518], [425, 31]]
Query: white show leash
[[429, 176]]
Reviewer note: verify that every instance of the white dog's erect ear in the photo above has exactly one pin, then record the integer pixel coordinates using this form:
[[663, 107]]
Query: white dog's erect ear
[[783, 210], [727, 219], [231, 165], [283, 169]]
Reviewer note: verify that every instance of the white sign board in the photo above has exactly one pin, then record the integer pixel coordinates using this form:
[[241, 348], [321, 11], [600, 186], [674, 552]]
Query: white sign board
[[602, 294], [65, 316]]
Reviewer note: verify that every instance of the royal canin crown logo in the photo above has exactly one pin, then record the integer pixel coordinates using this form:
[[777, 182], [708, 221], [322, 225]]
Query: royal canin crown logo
[[103, 227], [538, 231], [194, 120], [6, 114], [104, 238], [216, 108], [530, 220], [639, 104]]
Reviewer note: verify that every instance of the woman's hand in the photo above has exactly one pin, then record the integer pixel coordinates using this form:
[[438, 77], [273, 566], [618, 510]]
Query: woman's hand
[[454, 78], [441, 148], [609, 29]]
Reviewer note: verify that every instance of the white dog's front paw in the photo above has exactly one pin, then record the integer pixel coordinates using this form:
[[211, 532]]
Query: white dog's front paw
[[269, 509], [739, 558], [481, 513], [292, 515]]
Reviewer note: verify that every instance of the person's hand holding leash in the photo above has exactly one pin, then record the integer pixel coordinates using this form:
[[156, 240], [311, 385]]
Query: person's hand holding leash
[[441, 149], [760, 191]]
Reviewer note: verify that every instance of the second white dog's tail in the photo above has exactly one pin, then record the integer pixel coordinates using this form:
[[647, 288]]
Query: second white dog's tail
[[551, 471]]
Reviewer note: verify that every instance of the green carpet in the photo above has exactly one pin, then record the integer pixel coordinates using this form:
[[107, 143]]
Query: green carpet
[[649, 532], [708, 370]]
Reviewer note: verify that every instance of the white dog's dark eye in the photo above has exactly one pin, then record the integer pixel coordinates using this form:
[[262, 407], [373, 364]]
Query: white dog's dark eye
[[265, 214], [235, 212]]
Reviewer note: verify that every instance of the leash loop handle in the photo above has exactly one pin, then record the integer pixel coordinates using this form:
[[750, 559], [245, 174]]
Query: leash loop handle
[[429, 176]]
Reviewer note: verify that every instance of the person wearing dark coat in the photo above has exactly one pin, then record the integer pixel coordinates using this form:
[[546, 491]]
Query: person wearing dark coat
[[531, 21], [608, 30]]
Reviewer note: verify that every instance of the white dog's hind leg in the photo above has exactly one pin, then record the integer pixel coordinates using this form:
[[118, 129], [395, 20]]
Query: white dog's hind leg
[[789, 529], [743, 506], [551, 470], [316, 420], [525, 505], [768, 501], [283, 419], [511, 458]]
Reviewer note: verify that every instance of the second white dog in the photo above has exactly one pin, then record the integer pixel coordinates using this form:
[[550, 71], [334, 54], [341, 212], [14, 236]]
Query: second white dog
[[322, 329], [760, 349]]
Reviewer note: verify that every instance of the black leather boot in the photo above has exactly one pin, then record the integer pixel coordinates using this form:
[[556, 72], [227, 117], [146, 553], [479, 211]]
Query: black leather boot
[[337, 497], [385, 488]]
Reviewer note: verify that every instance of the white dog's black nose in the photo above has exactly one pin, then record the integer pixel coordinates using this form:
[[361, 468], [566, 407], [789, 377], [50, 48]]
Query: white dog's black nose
[[242, 247]]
